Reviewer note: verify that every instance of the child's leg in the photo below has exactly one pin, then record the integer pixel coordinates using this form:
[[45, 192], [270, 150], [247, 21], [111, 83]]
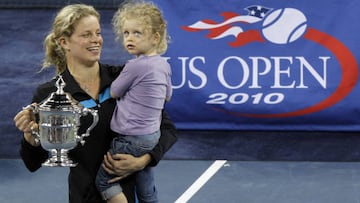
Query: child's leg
[[110, 190], [119, 198], [145, 186]]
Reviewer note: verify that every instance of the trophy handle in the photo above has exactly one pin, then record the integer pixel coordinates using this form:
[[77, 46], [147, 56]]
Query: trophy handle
[[35, 110], [36, 135], [95, 116]]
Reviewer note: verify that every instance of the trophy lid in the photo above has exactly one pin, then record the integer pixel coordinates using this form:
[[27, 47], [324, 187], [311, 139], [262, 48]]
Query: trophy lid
[[59, 100]]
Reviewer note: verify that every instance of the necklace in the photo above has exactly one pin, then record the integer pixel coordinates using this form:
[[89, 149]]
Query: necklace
[[86, 88], [90, 85]]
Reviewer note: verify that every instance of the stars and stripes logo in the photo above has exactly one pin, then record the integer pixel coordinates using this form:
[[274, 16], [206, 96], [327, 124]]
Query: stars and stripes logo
[[258, 11], [233, 25]]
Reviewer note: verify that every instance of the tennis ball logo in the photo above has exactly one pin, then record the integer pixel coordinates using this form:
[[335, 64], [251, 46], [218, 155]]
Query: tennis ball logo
[[284, 26]]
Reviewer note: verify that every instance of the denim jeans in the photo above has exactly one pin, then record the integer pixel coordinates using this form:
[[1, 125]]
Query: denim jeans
[[137, 146]]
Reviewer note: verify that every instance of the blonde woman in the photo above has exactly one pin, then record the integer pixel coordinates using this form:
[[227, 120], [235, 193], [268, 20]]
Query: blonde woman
[[73, 47]]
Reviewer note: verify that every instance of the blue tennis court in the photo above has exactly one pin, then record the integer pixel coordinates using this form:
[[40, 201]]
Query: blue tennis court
[[200, 181]]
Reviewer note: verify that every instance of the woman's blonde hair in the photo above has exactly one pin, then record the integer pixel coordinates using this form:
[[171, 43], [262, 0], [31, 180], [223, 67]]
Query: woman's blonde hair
[[147, 13], [64, 26]]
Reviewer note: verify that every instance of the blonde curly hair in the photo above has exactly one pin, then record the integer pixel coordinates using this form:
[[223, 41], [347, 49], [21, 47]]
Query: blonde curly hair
[[147, 13]]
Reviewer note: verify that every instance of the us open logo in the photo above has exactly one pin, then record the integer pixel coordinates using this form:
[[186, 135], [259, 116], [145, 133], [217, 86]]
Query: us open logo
[[282, 28]]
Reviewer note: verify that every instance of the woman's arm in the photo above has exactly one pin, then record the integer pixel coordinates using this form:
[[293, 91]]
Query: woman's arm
[[167, 139], [31, 152], [125, 164]]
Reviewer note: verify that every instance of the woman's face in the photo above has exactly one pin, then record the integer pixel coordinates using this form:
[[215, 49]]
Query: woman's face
[[85, 44]]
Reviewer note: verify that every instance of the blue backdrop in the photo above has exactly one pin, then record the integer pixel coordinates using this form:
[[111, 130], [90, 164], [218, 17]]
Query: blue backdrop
[[264, 65], [228, 73], [237, 65]]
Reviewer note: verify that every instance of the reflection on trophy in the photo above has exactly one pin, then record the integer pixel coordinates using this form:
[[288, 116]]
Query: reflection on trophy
[[59, 120]]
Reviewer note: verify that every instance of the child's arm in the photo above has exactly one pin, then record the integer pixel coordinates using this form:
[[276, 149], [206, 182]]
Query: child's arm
[[121, 84]]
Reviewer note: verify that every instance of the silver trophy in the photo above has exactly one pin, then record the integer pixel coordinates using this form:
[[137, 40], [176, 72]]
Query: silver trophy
[[59, 120]]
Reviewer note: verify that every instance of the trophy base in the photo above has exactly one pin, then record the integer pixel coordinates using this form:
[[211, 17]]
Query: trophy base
[[59, 158]]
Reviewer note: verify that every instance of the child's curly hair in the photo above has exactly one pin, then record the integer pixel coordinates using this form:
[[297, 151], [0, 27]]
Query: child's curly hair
[[147, 13]]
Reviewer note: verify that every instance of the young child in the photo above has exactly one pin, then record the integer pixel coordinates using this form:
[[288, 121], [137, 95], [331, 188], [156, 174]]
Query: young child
[[141, 91]]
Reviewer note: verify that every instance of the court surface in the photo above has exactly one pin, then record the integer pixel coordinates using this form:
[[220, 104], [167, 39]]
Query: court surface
[[200, 181]]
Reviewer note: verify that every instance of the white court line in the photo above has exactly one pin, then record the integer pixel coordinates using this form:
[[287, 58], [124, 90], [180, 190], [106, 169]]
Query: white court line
[[200, 181]]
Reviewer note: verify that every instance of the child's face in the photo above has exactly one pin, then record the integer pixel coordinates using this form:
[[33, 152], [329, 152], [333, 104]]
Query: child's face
[[138, 40]]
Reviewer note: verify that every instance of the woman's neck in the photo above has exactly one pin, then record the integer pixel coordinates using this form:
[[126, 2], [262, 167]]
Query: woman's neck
[[88, 78], [83, 72]]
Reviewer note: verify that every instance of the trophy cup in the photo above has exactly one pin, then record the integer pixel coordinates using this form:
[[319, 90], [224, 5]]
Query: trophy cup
[[59, 120]]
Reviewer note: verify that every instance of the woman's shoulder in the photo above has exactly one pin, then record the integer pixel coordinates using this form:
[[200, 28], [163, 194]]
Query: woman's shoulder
[[110, 72], [112, 69]]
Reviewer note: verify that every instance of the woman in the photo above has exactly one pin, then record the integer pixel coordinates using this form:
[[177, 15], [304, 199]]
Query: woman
[[74, 47]]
